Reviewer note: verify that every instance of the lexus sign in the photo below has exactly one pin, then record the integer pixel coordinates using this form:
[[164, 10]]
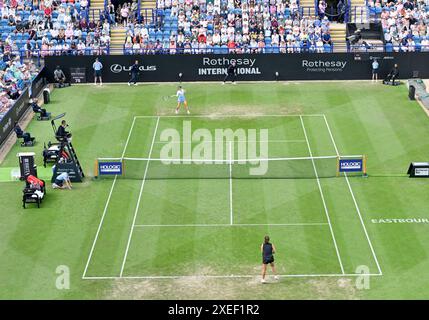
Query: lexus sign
[[118, 68]]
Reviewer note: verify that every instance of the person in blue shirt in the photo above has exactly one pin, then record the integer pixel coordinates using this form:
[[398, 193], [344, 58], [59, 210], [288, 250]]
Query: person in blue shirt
[[97, 66], [375, 67]]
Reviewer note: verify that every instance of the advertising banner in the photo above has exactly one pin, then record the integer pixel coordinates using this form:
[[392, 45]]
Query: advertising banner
[[110, 168], [350, 165], [250, 67]]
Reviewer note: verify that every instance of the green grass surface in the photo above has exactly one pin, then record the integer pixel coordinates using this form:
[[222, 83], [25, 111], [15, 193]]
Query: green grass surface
[[364, 118]]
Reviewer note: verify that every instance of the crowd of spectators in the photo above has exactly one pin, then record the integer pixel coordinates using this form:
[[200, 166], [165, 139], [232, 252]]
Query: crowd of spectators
[[231, 26], [52, 28], [14, 77], [405, 23], [125, 13]]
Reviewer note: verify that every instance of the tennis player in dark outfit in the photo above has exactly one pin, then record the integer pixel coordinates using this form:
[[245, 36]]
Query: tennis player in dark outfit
[[231, 72], [134, 73], [268, 250]]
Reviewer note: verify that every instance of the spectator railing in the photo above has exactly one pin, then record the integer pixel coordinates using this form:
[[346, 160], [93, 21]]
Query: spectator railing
[[388, 47], [305, 11], [148, 16], [316, 7], [92, 13], [39, 54], [138, 10], [225, 50], [358, 11], [348, 5]]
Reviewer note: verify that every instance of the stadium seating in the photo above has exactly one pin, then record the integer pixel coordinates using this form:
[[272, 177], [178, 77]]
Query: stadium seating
[[241, 27], [36, 30], [401, 33]]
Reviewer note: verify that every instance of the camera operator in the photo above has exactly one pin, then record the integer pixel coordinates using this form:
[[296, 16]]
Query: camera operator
[[355, 37]]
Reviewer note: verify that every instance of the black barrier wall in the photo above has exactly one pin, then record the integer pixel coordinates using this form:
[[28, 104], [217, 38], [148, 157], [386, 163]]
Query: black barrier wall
[[20, 106], [256, 67]]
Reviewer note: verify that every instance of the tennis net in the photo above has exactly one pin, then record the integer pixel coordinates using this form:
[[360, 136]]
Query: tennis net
[[271, 168]]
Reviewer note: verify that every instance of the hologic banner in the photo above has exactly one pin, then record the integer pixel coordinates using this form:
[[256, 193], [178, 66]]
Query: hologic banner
[[110, 168], [350, 165]]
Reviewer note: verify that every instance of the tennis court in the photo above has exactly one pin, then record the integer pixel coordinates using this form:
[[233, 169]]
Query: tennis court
[[211, 217]]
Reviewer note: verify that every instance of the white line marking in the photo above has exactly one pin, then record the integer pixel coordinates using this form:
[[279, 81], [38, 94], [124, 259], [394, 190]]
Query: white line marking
[[208, 116], [322, 196], [354, 200], [139, 199], [221, 161], [231, 217], [107, 204], [231, 225], [234, 276], [236, 141]]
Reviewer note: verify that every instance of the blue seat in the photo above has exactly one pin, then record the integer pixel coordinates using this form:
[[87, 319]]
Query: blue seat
[[268, 49], [389, 47], [418, 46], [327, 48], [217, 49]]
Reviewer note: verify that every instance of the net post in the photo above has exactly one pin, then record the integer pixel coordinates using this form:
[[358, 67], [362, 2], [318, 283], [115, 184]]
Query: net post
[[96, 168], [364, 160], [338, 166], [123, 166]]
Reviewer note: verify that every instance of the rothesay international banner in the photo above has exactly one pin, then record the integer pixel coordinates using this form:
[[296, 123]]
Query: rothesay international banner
[[250, 67]]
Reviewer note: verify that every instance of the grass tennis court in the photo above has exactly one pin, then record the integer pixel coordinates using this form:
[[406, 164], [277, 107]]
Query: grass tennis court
[[157, 235]]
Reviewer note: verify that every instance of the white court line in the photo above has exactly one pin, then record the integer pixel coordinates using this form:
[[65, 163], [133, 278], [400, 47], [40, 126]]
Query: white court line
[[208, 116], [354, 201], [139, 199], [233, 276], [235, 141], [107, 203], [230, 225], [323, 197], [231, 217]]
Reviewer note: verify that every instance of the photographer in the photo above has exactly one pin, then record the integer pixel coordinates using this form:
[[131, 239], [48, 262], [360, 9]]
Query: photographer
[[393, 75], [60, 77], [37, 109], [26, 136]]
